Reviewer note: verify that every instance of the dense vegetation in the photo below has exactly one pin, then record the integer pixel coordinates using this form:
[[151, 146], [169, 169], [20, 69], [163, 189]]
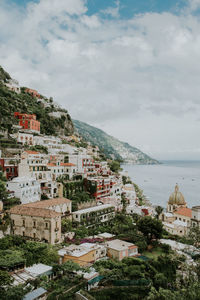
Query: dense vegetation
[[25, 103], [26, 251]]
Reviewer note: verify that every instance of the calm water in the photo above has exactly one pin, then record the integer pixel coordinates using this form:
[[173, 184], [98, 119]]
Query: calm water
[[158, 181]]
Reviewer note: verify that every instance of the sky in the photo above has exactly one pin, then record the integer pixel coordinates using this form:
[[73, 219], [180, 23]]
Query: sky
[[129, 67]]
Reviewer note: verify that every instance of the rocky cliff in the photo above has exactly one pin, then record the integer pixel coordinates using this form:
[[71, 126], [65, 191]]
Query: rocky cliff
[[111, 146]]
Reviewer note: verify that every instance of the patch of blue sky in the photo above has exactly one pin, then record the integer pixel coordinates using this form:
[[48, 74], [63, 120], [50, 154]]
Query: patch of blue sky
[[128, 8], [21, 2]]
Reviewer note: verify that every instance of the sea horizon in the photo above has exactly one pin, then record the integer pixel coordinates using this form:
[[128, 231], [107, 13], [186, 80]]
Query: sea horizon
[[158, 181]]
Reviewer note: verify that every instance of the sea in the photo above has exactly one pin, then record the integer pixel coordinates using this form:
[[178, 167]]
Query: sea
[[158, 181]]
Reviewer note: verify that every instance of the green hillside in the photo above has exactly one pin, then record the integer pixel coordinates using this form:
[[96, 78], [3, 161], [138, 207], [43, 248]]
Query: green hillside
[[25, 103], [111, 146]]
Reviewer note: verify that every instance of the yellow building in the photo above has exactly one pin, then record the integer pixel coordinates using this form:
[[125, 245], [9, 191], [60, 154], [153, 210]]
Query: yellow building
[[119, 249], [81, 258], [83, 254], [39, 224]]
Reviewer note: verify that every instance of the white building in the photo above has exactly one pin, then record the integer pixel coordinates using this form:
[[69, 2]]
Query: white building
[[83, 162], [13, 85], [31, 273], [195, 220], [27, 189], [177, 228], [24, 138], [94, 215]]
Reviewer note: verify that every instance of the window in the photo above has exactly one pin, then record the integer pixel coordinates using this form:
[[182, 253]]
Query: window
[[23, 222], [34, 224], [46, 225], [34, 235]]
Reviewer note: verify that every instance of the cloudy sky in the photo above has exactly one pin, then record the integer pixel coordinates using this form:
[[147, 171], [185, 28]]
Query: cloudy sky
[[130, 67]]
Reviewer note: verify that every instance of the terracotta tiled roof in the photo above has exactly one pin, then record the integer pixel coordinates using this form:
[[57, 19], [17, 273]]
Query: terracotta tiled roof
[[31, 152], [184, 211], [33, 211], [48, 203], [67, 165], [51, 165]]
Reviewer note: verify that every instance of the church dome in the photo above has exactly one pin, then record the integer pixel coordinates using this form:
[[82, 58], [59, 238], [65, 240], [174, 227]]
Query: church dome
[[176, 197]]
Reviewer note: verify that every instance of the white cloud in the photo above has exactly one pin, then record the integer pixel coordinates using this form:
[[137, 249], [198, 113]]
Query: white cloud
[[194, 4], [110, 72], [112, 11]]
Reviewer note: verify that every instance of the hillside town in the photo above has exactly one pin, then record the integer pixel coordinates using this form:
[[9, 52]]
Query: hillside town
[[61, 196]]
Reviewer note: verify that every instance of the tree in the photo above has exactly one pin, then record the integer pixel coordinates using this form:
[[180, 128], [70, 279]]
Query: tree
[[151, 228], [160, 280], [3, 192], [159, 210], [114, 166], [5, 278], [195, 235], [66, 225], [124, 202]]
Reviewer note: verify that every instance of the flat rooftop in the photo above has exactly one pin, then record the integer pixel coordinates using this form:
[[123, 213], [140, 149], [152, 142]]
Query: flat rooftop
[[119, 245], [94, 208], [38, 269]]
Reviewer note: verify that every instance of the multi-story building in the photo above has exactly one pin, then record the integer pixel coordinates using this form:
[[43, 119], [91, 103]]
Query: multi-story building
[[69, 169], [9, 167], [37, 163], [37, 223], [28, 122], [56, 169], [103, 187], [94, 215], [195, 219], [27, 189], [25, 138], [60, 205], [84, 163], [177, 227], [102, 168], [183, 214]]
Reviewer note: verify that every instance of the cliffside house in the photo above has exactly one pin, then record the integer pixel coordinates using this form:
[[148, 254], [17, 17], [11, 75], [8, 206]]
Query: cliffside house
[[9, 167], [33, 93], [28, 122]]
